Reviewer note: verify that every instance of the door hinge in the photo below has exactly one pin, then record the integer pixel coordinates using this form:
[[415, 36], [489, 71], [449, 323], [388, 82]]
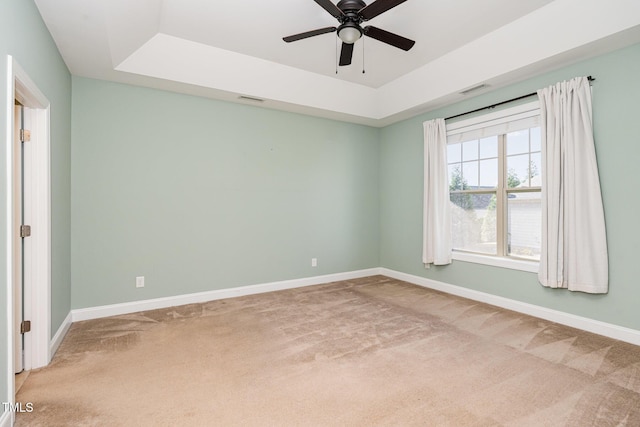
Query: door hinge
[[25, 230], [25, 135], [25, 326]]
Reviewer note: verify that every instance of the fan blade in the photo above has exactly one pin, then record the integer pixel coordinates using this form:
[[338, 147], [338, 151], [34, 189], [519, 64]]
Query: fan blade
[[331, 8], [388, 38], [301, 36], [346, 54], [377, 7]]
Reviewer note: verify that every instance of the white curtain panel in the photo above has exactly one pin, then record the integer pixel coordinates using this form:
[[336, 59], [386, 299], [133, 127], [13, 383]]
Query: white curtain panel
[[574, 243], [436, 236]]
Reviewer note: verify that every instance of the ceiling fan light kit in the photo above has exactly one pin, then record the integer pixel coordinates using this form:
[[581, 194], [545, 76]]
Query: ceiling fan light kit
[[349, 32], [350, 14]]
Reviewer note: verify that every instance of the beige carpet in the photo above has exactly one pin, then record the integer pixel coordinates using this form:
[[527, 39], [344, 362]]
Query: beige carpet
[[373, 351]]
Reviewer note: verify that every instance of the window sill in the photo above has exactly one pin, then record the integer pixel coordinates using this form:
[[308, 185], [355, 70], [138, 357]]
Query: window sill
[[502, 262]]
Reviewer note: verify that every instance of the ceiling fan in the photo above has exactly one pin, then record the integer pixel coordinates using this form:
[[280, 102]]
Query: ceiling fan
[[350, 14]]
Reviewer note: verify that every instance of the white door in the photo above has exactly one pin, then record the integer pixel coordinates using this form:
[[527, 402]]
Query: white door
[[34, 287], [17, 241]]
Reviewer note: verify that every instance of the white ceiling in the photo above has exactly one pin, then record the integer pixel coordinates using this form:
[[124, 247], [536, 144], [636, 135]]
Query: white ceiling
[[223, 49]]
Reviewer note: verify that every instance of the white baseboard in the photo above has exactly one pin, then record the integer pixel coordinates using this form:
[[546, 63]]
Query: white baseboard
[[590, 325], [59, 336], [6, 418], [597, 327], [152, 304]]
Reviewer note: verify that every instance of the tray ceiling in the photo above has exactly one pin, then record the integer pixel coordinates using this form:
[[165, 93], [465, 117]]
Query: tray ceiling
[[227, 49]]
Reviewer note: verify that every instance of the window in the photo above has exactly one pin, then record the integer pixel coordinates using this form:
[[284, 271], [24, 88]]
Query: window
[[495, 166]]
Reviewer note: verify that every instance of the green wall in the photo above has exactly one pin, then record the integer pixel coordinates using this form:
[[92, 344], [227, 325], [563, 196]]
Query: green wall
[[196, 194], [616, 97], [24, 36]]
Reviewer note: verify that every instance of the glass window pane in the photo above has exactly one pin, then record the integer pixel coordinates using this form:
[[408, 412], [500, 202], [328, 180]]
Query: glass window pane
[[454, 152], [474, 222], [518, 142], [536, 141], [489, 147], [489, 173], [470, 150], [455, 177], [524, 226], [535, 170], [470, 175], [518, 171]]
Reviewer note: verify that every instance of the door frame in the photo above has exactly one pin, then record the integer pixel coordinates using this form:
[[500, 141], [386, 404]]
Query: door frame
[[37, 291]]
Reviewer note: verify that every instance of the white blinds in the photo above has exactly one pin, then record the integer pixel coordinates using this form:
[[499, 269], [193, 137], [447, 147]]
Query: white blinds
[[510, 120]]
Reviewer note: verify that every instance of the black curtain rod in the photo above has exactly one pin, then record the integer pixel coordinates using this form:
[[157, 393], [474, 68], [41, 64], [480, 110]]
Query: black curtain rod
[[501, 103]]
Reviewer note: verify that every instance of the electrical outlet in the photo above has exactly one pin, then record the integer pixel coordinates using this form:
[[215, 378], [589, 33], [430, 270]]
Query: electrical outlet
[[140, 282], [314, 262]]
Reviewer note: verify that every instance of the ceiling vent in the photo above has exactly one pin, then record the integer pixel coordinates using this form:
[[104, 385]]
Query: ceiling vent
[[474, 89]]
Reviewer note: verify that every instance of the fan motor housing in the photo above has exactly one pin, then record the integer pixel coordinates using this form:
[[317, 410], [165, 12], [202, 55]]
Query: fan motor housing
[[351, 5]]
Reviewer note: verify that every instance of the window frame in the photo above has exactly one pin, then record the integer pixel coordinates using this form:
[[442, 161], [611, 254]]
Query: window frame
[[528, 113]]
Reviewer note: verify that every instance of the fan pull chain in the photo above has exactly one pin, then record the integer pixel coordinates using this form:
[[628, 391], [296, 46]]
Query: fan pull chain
[[336, 55], [363, 55]]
